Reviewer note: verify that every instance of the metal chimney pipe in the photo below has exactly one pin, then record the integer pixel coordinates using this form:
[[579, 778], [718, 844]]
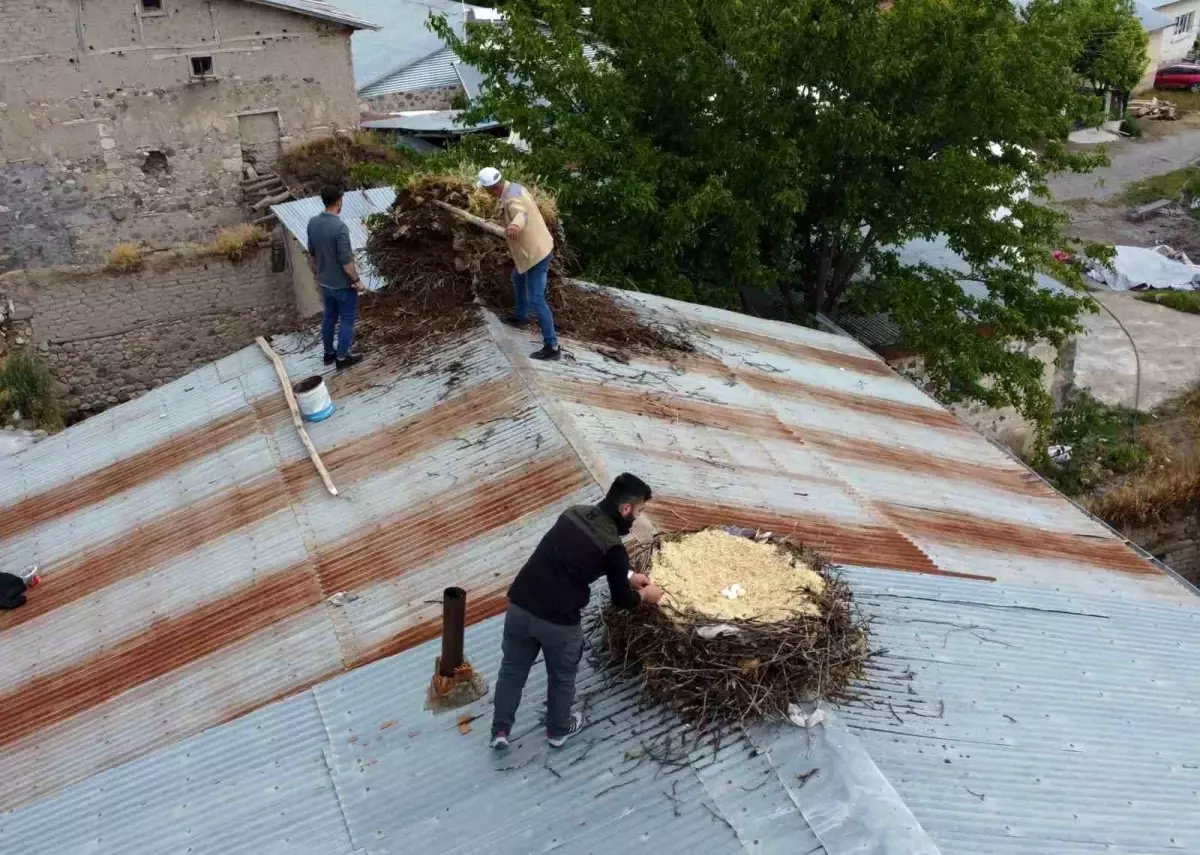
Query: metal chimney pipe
[[454, 622]]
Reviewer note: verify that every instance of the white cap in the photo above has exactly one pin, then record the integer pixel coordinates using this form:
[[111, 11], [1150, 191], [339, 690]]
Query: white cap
[[489, 176]]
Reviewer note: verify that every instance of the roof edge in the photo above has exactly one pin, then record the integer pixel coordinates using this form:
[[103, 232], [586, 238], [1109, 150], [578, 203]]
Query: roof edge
[[320, 10]]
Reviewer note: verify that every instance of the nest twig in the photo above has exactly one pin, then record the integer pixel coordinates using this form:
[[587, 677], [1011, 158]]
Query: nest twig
[[753, 670], [439, 269]]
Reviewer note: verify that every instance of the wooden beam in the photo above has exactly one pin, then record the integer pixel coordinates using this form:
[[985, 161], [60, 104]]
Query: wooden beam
[[296, 419], [272, 200], [486, 225]]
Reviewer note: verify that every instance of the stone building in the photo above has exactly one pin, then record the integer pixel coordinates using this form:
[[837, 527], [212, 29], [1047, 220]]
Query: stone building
[[134, 120]]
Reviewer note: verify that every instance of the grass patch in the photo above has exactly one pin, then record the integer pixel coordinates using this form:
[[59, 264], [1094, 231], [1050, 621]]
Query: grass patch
[[1180, 301], [236, 242], [27, 387], [1105, 442], [125, 257], [1147, 497], [330, 160], [1180, 184]]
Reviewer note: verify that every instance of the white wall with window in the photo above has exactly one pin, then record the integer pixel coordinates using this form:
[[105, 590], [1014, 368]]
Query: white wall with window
[[1178, 39]]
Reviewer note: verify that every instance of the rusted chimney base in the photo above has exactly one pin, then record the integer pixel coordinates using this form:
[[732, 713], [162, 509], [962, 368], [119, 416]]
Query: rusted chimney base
[[447, 693]]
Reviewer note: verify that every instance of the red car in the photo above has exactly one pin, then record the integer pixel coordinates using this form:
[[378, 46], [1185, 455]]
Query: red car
[[1181, 75]]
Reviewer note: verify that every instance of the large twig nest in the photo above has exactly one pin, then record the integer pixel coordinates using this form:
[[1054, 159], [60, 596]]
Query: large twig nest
[[750, 624], [439, 270]]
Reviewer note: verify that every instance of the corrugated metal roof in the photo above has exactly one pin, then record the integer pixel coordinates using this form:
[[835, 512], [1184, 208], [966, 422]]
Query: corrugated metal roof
[[322, 10], [429, 122], [189, 555], [402, 38], [442, 68], [357, 205], [429, 72]]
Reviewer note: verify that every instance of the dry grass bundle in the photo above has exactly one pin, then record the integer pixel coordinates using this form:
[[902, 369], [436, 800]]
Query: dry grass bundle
[[125, 257], [237, 242], [330, 160], [1148, 497], [439, 269], [718, 671]]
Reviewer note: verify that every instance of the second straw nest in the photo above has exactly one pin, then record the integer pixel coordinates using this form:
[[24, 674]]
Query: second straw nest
[[750, 624]]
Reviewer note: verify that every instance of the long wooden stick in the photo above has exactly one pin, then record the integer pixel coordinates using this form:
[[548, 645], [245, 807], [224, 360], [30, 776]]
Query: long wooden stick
[[490, 228], [291, 400]]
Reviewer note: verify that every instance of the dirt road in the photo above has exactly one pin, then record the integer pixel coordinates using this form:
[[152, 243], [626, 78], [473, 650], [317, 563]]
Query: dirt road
[[1131, 161]]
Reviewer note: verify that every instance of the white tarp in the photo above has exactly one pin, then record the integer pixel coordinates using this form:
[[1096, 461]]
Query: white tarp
[[1135, 267]]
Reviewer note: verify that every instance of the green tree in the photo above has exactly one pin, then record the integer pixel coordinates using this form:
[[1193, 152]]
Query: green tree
[[1113, 54], [715, 147]]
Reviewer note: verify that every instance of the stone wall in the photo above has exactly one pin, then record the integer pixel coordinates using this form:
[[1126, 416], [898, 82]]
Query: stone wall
[[1174, 541], [110, 336], [438, 98], [107, 134]]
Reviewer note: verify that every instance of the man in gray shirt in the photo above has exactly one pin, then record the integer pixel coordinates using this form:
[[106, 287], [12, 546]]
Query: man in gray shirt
[[332, 262]]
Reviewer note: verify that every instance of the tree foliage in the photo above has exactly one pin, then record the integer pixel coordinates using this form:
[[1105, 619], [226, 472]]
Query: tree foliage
[[719, 147], [1112, 53]]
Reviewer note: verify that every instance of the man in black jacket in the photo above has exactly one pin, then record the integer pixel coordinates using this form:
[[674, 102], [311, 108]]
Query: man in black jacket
[[546, 598]]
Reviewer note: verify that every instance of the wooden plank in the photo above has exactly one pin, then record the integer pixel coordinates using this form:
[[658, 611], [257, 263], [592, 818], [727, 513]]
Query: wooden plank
[[489, 227], [296, 419]]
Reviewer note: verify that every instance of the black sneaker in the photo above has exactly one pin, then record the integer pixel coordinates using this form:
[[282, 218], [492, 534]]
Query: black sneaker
[[576, 726], [349, 360], [547, 352], [499, 741], [330, 358], [514, 321]]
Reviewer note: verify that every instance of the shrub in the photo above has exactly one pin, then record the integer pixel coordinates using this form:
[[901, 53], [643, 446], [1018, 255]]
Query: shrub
[[125, 257], [1105, 441], [26, 386], [236, 242], [1131, 126]]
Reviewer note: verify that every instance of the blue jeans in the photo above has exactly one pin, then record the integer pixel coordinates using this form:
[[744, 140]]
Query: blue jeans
[[341, 305], [529, 288]]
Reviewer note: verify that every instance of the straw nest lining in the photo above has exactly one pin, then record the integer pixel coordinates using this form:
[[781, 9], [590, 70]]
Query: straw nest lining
[[440, 269], [798, 636]]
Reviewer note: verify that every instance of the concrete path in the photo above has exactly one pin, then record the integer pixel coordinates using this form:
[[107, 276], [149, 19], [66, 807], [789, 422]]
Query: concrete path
[[1168, 343], [1131, 161]]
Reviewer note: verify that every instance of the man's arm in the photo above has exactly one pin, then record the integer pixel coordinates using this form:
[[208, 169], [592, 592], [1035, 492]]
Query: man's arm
[[517, 218], [345, 257], [625, 595], [312, 256]]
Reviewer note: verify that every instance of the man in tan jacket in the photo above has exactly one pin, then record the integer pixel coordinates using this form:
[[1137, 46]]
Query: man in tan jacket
[[532, 248]]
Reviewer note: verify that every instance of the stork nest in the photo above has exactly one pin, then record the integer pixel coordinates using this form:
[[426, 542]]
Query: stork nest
[[719, 673], [439, 270]]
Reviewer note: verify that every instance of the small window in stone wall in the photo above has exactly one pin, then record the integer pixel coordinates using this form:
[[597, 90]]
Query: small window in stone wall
[[202, 66], [152, 5]]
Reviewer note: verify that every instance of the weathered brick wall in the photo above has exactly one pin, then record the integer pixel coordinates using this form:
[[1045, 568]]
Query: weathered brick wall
[[438, 98], [110, 336], [106, 136]]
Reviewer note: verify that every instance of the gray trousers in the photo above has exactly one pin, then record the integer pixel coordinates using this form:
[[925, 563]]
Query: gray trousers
[[562, 646]]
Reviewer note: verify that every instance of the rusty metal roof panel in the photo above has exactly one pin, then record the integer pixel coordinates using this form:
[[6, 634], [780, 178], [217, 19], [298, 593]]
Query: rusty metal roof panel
[[203, 557], [190, 553]]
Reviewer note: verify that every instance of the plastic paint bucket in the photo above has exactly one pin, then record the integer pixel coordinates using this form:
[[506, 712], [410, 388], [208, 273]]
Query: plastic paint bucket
[[313, 399]]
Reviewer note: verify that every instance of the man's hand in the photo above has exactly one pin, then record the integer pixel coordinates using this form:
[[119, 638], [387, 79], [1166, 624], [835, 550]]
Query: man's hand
[[650, 594], [512, 231], [358, 286], [638, 581]]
